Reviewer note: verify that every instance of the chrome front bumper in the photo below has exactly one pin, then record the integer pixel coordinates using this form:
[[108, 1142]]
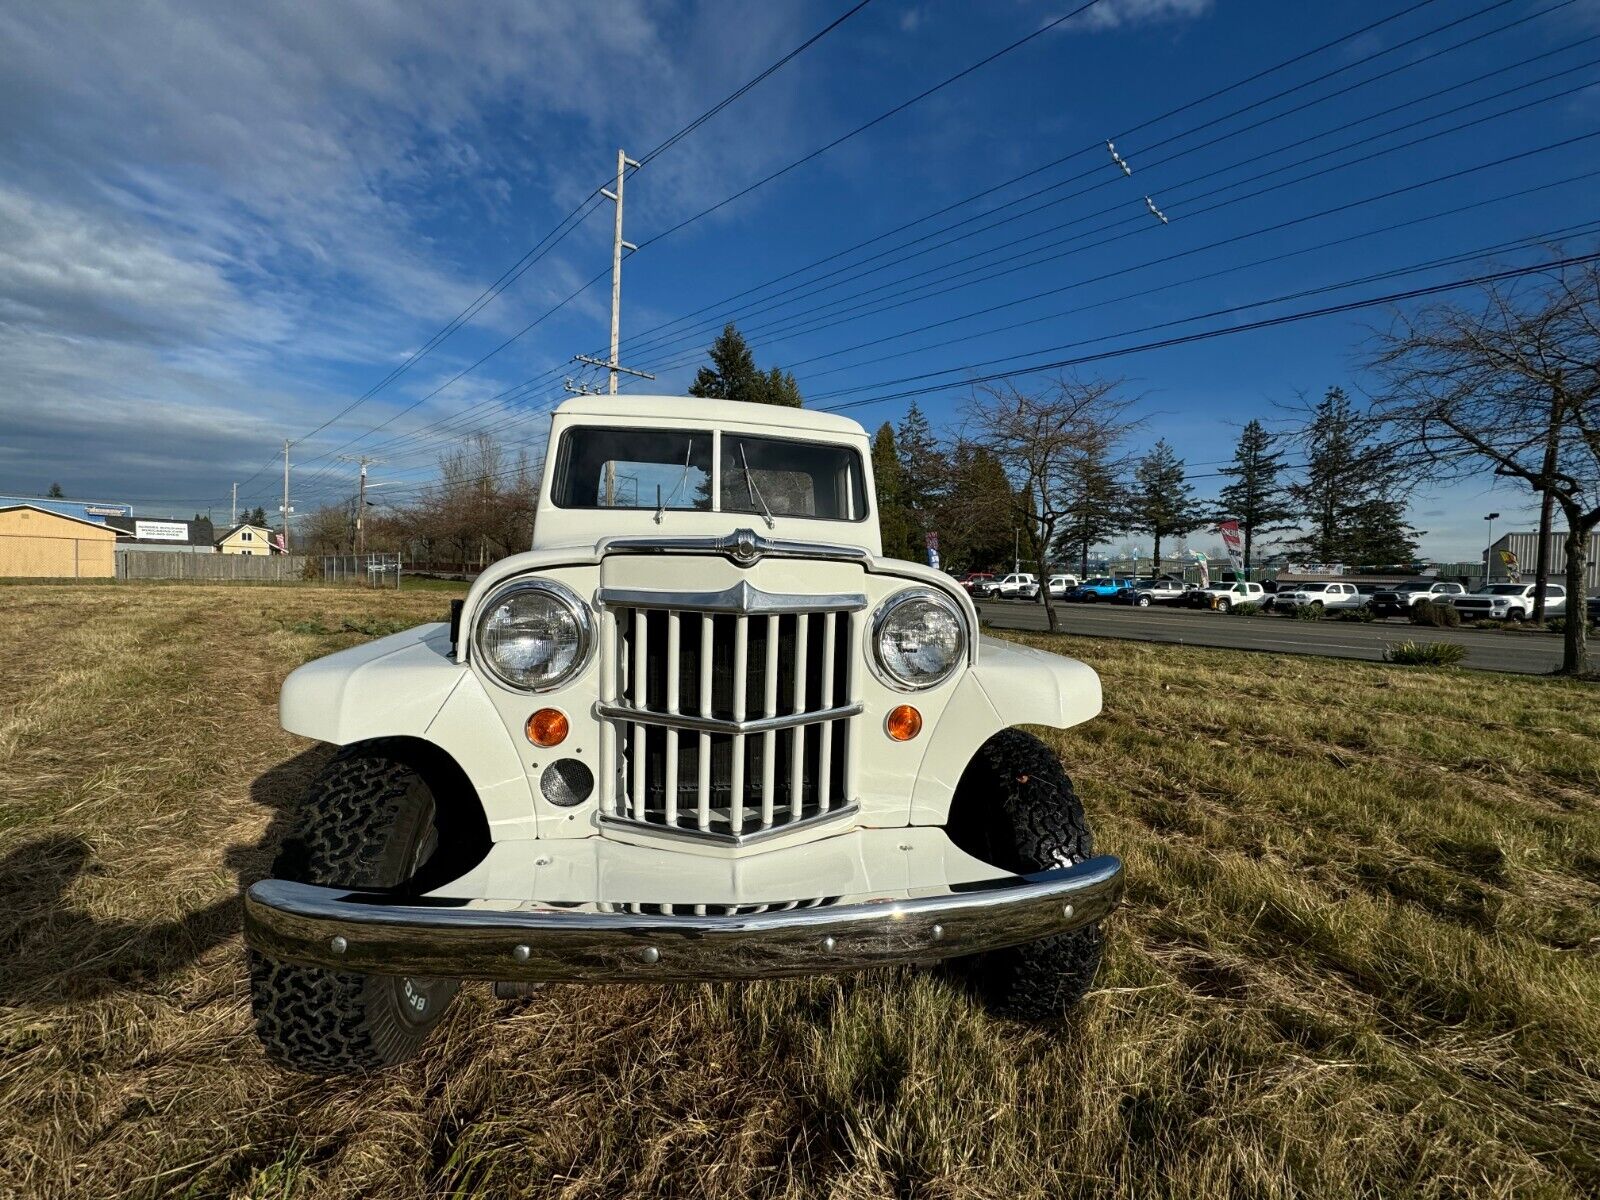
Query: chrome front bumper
[[433, 937]]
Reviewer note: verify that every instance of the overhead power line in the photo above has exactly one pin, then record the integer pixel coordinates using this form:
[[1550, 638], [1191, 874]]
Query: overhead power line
[[1527, 242], [1144, 124], [1226, 331], [575, 218]]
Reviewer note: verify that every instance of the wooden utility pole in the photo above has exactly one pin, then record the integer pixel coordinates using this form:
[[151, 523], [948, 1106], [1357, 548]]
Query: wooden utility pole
[[234, 519], [286, 510], [361, 496], [617, 245], [612, 366]]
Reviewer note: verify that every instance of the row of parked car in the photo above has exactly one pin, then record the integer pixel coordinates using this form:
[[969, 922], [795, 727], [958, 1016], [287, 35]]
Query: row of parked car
[[1495, 601]]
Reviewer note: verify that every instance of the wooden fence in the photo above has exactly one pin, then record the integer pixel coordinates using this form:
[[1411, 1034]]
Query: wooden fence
[[204, 567]]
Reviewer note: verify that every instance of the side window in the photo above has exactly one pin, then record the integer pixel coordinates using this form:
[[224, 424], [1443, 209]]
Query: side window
[[1551, 589]]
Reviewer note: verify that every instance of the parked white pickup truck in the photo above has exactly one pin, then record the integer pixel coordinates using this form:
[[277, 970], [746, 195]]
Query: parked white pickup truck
[[1319, 595], [1509, 602], [1223, 596], [1399, 600], [1015, 586]]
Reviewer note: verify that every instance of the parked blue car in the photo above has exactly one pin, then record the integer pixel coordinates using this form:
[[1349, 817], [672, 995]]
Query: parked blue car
[[1102, 588]]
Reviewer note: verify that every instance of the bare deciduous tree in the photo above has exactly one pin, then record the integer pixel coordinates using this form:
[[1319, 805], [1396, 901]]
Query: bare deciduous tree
[[1513, 384], [1041, 439]]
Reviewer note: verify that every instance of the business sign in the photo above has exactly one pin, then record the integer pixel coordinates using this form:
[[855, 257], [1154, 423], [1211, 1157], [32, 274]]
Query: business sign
[[1234, 541], [161, 531], [1314, 568], [933, 550], [108, 510]]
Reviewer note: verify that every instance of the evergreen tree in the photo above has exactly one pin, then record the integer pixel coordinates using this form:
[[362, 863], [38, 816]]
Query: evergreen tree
[[733, 375], [256, 516], [1255, 498], [1161, 501], [55, 492], [892, 521], [976, 513], [922, 464], [1351, 499], [1094, 510]]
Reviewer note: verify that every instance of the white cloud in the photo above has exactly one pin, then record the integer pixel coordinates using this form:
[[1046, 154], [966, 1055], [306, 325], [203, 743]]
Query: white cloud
[[1114, 14]]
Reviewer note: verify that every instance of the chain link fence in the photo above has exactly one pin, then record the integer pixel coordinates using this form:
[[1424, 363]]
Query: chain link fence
[[365, 570]]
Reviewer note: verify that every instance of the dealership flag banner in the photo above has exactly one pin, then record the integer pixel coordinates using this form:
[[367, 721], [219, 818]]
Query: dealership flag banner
[[933, 550], [1205, 568], [1513, 568], [1234, 541]]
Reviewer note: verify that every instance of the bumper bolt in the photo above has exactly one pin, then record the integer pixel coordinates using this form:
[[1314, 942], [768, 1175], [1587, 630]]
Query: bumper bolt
[[337, 944], [828, 944], [521, 953], [649, 955], [1066, 910], [937, 931]]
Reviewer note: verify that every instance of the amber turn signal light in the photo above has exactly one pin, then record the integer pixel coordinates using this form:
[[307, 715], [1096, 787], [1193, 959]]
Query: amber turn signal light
[[904, 723], [548, 727]]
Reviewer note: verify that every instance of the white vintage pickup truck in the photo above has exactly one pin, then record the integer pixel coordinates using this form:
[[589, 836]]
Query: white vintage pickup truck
[[702, 730]]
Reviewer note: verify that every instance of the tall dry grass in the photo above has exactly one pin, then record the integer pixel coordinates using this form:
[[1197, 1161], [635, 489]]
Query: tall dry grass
[[1359, 957]]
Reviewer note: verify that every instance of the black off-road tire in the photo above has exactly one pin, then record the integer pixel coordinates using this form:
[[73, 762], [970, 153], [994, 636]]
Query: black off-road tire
[[1015, 808], [366, 821]]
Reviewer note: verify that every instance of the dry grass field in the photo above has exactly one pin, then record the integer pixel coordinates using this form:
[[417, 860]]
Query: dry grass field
[[1361, 956]]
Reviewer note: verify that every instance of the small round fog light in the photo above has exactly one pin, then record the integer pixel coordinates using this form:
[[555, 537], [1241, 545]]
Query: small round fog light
[[547, 727], [904, 723]]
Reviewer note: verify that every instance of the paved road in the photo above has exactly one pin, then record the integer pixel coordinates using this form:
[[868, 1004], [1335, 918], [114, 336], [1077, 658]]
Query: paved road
[[1534, 654]]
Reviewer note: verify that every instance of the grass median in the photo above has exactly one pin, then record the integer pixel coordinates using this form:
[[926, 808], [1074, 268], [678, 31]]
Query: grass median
[[1360, 955]]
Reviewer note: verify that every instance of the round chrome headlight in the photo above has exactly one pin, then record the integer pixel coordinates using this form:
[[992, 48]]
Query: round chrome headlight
[[918, 638], [533, 634]]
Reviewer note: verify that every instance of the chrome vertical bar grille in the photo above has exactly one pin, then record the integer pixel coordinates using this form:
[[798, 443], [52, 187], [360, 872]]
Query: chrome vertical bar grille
[[729, 715]]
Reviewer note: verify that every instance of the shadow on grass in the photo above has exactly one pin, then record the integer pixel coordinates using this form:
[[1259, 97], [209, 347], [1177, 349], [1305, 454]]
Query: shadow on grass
[[52, 952]]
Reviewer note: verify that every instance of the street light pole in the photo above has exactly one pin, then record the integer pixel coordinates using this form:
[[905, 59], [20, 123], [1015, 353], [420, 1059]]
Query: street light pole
[[1488, 554]]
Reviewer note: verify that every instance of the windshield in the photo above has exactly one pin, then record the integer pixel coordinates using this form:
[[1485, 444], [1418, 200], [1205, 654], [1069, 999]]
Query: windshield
[[791, 479], [648, 468], [634, 468]]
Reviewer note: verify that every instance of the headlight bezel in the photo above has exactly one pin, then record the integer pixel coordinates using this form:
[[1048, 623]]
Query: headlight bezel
[[894, 603], [565, 596]]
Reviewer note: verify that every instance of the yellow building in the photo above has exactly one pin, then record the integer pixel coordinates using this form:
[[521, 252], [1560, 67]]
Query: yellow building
[[246, 539], [36, 543]]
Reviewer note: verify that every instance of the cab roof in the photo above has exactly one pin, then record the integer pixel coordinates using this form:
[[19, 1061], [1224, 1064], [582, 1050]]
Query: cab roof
[[710, 412]]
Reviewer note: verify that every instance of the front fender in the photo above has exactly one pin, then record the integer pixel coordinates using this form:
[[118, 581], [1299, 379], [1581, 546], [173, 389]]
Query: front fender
[[410, 685], [391, 687], [1009, 685]]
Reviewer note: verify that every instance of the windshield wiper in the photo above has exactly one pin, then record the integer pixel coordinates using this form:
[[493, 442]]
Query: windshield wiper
[[661, 504], [755, 492]]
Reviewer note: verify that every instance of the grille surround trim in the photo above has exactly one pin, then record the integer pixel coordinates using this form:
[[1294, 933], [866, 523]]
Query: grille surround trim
[[728, 715]]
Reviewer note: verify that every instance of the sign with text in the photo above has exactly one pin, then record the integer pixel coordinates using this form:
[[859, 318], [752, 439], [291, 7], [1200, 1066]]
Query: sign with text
[[1233, 540], [161, 531]]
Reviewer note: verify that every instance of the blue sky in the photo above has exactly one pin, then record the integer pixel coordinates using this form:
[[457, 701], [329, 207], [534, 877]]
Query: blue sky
[[220, 225]]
